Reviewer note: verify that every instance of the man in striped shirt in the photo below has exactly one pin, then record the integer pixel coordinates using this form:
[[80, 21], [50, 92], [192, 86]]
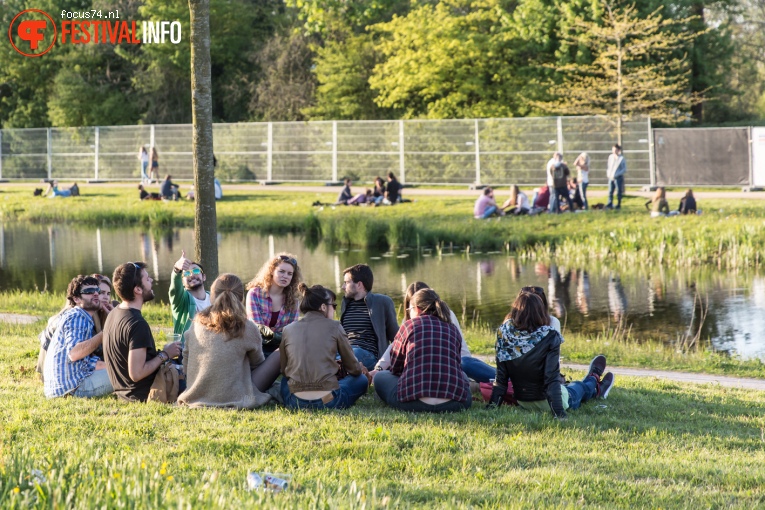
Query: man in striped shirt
[[70, 366]]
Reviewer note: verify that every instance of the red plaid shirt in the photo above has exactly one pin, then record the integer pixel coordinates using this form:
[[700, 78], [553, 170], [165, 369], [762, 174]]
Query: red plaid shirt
[[259, 310], [426, 355]]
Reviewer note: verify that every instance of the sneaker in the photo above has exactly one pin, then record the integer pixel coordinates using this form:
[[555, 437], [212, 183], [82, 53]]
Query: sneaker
[[597, 367], [605, 385], [275, 392]]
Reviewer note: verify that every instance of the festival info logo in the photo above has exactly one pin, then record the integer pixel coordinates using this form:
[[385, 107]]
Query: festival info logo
[[32, 33]]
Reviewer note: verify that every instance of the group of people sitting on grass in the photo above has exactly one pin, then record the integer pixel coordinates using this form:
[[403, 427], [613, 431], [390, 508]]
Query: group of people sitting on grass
[[169, 190], [382, 194], [659, 206], [235, 346]]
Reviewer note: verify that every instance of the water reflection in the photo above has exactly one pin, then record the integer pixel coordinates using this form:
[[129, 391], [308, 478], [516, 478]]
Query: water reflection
[[651, 302]]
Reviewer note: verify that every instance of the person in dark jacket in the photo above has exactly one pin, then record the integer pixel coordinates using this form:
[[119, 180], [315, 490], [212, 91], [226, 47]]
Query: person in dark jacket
[[688, 203], [528, 353]]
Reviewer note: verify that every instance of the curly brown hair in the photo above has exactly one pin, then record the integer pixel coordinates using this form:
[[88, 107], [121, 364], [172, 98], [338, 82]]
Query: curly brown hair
[[265, 278]]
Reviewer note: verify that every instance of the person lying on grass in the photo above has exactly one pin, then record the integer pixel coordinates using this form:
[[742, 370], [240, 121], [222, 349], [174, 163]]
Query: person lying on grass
[[528, 353]]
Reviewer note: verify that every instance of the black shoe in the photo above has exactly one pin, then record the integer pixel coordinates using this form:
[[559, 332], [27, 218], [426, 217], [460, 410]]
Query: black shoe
[[605, 385], [597, 367]]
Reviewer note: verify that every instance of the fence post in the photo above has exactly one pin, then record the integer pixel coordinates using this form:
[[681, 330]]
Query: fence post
[[270, 153], [751, 157], [151, 140], [334, 151], [560, 135], [401, 168], [477, 156], [97, 134], [1, 153], [50, 151], [651, 162]]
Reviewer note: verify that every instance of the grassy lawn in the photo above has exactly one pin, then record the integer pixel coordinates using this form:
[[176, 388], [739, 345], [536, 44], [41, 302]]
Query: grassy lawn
[[728, 234], [651, 444]]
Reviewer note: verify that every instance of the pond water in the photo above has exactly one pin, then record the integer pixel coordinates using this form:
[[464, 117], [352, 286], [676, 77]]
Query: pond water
[[650, 302]]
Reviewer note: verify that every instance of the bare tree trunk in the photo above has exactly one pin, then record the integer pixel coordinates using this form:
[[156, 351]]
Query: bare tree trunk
[[205, 217]]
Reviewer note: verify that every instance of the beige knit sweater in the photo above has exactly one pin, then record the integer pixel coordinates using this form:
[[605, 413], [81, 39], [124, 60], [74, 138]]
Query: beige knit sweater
[[218, 370]]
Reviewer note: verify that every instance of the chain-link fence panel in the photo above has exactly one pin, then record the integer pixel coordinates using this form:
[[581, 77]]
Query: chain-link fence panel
[[73, 152], [118, 150], [367, 149], [24, 153], [440, 151], [241, 151], [515, 151], [302, 151]]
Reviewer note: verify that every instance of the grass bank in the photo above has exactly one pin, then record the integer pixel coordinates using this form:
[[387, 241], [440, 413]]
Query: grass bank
[[651, 444], [728, 235]]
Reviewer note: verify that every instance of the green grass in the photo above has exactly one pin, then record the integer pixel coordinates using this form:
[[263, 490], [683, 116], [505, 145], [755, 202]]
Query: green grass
[[651, 444], [728, 235]]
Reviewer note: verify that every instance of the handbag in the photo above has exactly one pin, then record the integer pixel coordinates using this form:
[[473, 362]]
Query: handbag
[[165, 386]]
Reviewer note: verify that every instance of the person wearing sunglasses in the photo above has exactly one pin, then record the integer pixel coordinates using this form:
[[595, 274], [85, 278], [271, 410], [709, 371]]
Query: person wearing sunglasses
[[308, 357], [70, 366], [187, 293], [131, 356], [272, 299]]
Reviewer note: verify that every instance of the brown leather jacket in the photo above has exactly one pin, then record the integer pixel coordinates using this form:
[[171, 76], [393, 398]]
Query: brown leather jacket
[[308, 351]]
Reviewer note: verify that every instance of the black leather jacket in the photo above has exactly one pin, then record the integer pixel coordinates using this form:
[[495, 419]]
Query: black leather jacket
[[535, 375]]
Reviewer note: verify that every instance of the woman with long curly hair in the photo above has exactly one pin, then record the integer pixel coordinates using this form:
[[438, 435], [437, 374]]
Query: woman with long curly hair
[[223, 354], [272, 299]]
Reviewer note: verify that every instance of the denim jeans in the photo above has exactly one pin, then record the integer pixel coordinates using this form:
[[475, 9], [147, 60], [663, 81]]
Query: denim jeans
[[386, 387], [583, 192], [489, 211], [555, 204], [352, 387], [615, 184], [95, 385], [581, 391], [144, 166], [477, 370], [365, 357]]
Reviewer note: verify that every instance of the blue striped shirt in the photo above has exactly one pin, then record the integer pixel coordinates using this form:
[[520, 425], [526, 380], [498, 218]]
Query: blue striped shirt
[[62, 375]]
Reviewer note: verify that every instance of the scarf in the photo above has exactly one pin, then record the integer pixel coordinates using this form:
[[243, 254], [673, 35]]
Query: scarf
[[513, 343]]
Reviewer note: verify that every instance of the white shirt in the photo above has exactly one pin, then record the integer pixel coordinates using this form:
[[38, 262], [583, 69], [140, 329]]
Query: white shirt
[[550, 166], [523, 200], [202, 303]]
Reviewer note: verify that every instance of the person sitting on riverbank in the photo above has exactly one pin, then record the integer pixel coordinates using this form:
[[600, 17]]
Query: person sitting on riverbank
[[540, 200], [426, 369], [308, 357], [518, 203], [485, 206], [539, 291], [392, 191], [145, 195], [187, 292], [345, 194], [474, 368], [379, 192], [528, 355], [73, 191], [70, 366], [659, 206], [272, 299], [687, 203], [223, 353], [362, 198], [169, 190]]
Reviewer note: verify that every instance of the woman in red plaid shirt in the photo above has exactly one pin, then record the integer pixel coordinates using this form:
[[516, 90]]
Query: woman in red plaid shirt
[[426, 371]]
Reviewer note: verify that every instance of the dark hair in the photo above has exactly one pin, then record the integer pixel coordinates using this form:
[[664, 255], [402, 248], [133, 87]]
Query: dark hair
[[529, 312], [428, 303], [168, 177], [411, 291], [226, 313], [198, 264], [617, 147], [391, 176], [487, 191], [75, 286], [361, 273], [314, 297], [347, 180], [539, 291], [126, 278], [689, 193]]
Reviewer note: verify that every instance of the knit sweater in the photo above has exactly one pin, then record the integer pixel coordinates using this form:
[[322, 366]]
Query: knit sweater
[[218, 369]]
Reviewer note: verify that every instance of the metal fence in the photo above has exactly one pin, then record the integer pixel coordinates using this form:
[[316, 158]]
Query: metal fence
[[466, 151]]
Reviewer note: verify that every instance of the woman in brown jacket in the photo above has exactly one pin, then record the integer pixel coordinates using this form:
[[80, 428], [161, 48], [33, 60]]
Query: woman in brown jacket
[[308, 350], [223, 355]]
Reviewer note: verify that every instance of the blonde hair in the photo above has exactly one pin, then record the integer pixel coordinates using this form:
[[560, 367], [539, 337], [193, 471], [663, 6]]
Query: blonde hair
[[428, 303], [583, 159], [514, 190], [659, 195], [226, 314], [265, 278]]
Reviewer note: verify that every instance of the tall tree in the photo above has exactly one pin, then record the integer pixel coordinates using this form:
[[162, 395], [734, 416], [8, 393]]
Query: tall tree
[[205, 217], [635, 70]]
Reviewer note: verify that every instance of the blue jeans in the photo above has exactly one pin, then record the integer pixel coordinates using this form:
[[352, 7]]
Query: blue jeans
[[477, 370], [386, 387], [583, 192], [144, 166], [352, 387], [581, 391], [489, 211], [615, 184], [95, 385], [365, 357], [555, 194]]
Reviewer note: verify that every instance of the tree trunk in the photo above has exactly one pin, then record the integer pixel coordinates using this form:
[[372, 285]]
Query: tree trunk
[[205, 217], [697, 109]]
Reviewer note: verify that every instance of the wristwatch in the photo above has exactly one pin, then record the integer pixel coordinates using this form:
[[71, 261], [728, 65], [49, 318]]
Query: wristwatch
[[163, 356]]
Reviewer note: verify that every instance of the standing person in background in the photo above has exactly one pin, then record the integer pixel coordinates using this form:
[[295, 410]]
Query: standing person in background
[[558, 172], [187, 292], [154, 165], [582, 164], [272, 299], [617, 167], [393, 193], [143, 157]]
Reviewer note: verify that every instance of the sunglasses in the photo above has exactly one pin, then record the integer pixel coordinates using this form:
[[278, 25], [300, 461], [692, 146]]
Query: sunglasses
[[90, 290], [136, 274], [190, 272], [333, 305], [288, 259]]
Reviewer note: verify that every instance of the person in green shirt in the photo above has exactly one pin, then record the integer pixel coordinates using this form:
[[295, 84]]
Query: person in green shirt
[[187, 292]]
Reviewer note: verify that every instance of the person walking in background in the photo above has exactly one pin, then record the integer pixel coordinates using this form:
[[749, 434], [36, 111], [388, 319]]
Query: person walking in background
[[687, 203], [582, 164], [485, 206], [154, 166], [143, 157], [272, 299], [223, 353], [308, 357], [617, 167]]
